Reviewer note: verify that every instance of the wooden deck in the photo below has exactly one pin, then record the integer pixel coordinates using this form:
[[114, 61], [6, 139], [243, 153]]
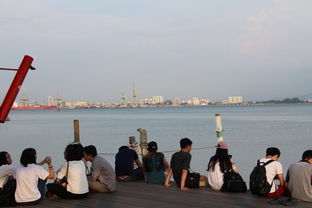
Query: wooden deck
[[140, 194]]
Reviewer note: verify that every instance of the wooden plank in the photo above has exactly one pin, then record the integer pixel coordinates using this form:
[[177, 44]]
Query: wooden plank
[[142, 195]]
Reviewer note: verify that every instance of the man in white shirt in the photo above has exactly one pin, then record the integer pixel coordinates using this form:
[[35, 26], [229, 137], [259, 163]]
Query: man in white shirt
[[274, 172]]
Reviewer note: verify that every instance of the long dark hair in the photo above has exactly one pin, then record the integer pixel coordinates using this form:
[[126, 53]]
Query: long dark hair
[[28, 157], [74, 152], [3, 158], [223, 158]]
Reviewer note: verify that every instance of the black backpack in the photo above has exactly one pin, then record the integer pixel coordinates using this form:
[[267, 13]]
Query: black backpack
[[258, 181], [233, 182]]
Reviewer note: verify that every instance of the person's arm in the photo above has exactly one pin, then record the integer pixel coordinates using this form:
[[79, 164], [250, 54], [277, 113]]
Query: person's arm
[[138, 163], [96, 170], [281, 179], [51, 175], [166, 165], [167, 182], [183, 179]]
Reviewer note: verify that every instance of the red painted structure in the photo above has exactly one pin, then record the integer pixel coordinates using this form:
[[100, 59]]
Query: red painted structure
[[15, 87]]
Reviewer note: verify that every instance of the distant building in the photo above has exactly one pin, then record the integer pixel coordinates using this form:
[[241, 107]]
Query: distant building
[[235, 100], [51, 101]]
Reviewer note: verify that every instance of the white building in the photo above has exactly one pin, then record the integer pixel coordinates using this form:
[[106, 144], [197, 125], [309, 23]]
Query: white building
[[235, 99], [157, 100]]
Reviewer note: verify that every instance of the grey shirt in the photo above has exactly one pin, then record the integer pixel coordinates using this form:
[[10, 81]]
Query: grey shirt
[[299, 177], [103, 172]]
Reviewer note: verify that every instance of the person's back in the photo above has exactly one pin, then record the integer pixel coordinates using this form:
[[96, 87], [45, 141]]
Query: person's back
[[180, 161], [299, 178], [220, 159], [179, 165], [154, 165], [124, 162], [76, 176], [104, 172], [273, 170]]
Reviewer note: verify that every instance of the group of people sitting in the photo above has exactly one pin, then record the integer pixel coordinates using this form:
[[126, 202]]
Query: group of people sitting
[[26, 184], [156, 170]]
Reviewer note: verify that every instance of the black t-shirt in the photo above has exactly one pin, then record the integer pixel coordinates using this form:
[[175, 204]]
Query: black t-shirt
[[124, 162], [180, 161]]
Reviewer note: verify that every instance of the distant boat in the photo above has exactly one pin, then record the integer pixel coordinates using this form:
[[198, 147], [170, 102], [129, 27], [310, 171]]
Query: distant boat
[[35, 107]]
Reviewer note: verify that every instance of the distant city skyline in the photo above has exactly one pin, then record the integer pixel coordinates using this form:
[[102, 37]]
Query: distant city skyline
[[259, 50]]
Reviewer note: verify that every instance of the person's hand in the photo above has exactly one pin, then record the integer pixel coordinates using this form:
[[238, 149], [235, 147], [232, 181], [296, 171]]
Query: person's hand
[[48, 160], [167, 184], [184, 189]]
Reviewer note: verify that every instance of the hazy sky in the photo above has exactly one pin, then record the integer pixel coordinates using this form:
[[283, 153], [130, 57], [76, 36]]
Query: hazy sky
[[93, 50]]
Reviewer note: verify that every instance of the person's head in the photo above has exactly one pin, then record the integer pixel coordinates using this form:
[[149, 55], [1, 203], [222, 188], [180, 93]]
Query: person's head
[[122, 148], [28, 156], [5, 158], [186, 144], [307, 156], [152, 146], [273, 153], [222, 157], [73, 152], [89, 152]]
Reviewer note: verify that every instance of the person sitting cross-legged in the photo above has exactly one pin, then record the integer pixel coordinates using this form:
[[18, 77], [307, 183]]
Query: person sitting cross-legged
[[102, 177], [299, 178], [124, 165]]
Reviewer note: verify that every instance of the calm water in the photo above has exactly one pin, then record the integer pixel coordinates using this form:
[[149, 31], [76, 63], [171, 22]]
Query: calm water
[[249, 130]]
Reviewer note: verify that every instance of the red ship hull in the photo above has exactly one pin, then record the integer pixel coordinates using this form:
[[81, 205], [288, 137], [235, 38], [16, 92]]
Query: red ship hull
[[34, 107]]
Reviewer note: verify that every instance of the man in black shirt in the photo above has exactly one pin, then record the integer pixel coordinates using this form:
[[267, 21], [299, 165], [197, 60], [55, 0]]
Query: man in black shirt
[[180, 164], [124, 165]]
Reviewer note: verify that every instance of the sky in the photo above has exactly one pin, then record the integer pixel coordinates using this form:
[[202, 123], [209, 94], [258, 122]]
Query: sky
[[94, 50]]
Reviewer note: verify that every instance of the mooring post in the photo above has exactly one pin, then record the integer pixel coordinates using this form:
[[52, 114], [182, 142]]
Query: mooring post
[[143, 141], [219, 128], [76, 131]]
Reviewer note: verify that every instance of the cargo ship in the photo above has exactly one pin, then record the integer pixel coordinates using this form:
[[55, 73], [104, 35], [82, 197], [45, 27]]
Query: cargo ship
[[34, 107]]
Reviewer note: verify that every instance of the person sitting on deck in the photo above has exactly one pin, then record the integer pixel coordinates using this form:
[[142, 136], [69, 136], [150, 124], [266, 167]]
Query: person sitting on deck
[[7, 183], [124, 165], [180, 164], [274, 172], [299, 178], [219, 164], [75, 172], [154, 165], [102, 177], [31, 178]]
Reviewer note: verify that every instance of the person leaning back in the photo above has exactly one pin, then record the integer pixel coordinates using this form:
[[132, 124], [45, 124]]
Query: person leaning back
[[180, 164]]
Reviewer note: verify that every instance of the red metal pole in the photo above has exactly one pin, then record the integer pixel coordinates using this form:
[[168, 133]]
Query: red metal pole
[[14, 88]]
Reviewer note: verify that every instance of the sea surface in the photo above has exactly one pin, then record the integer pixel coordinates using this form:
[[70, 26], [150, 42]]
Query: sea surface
[[248, 130]]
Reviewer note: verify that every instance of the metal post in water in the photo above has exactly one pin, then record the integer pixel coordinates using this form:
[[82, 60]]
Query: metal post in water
[[143, 141], [219, 128], [76, 131]]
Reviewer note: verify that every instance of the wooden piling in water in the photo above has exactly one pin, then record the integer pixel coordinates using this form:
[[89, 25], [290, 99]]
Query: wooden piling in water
[[76, 131]]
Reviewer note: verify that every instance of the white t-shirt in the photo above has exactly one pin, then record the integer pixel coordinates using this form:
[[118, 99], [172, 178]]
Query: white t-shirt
[[5, 172], [27, 182], [272, 169], [215, 178], [77, 178]]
